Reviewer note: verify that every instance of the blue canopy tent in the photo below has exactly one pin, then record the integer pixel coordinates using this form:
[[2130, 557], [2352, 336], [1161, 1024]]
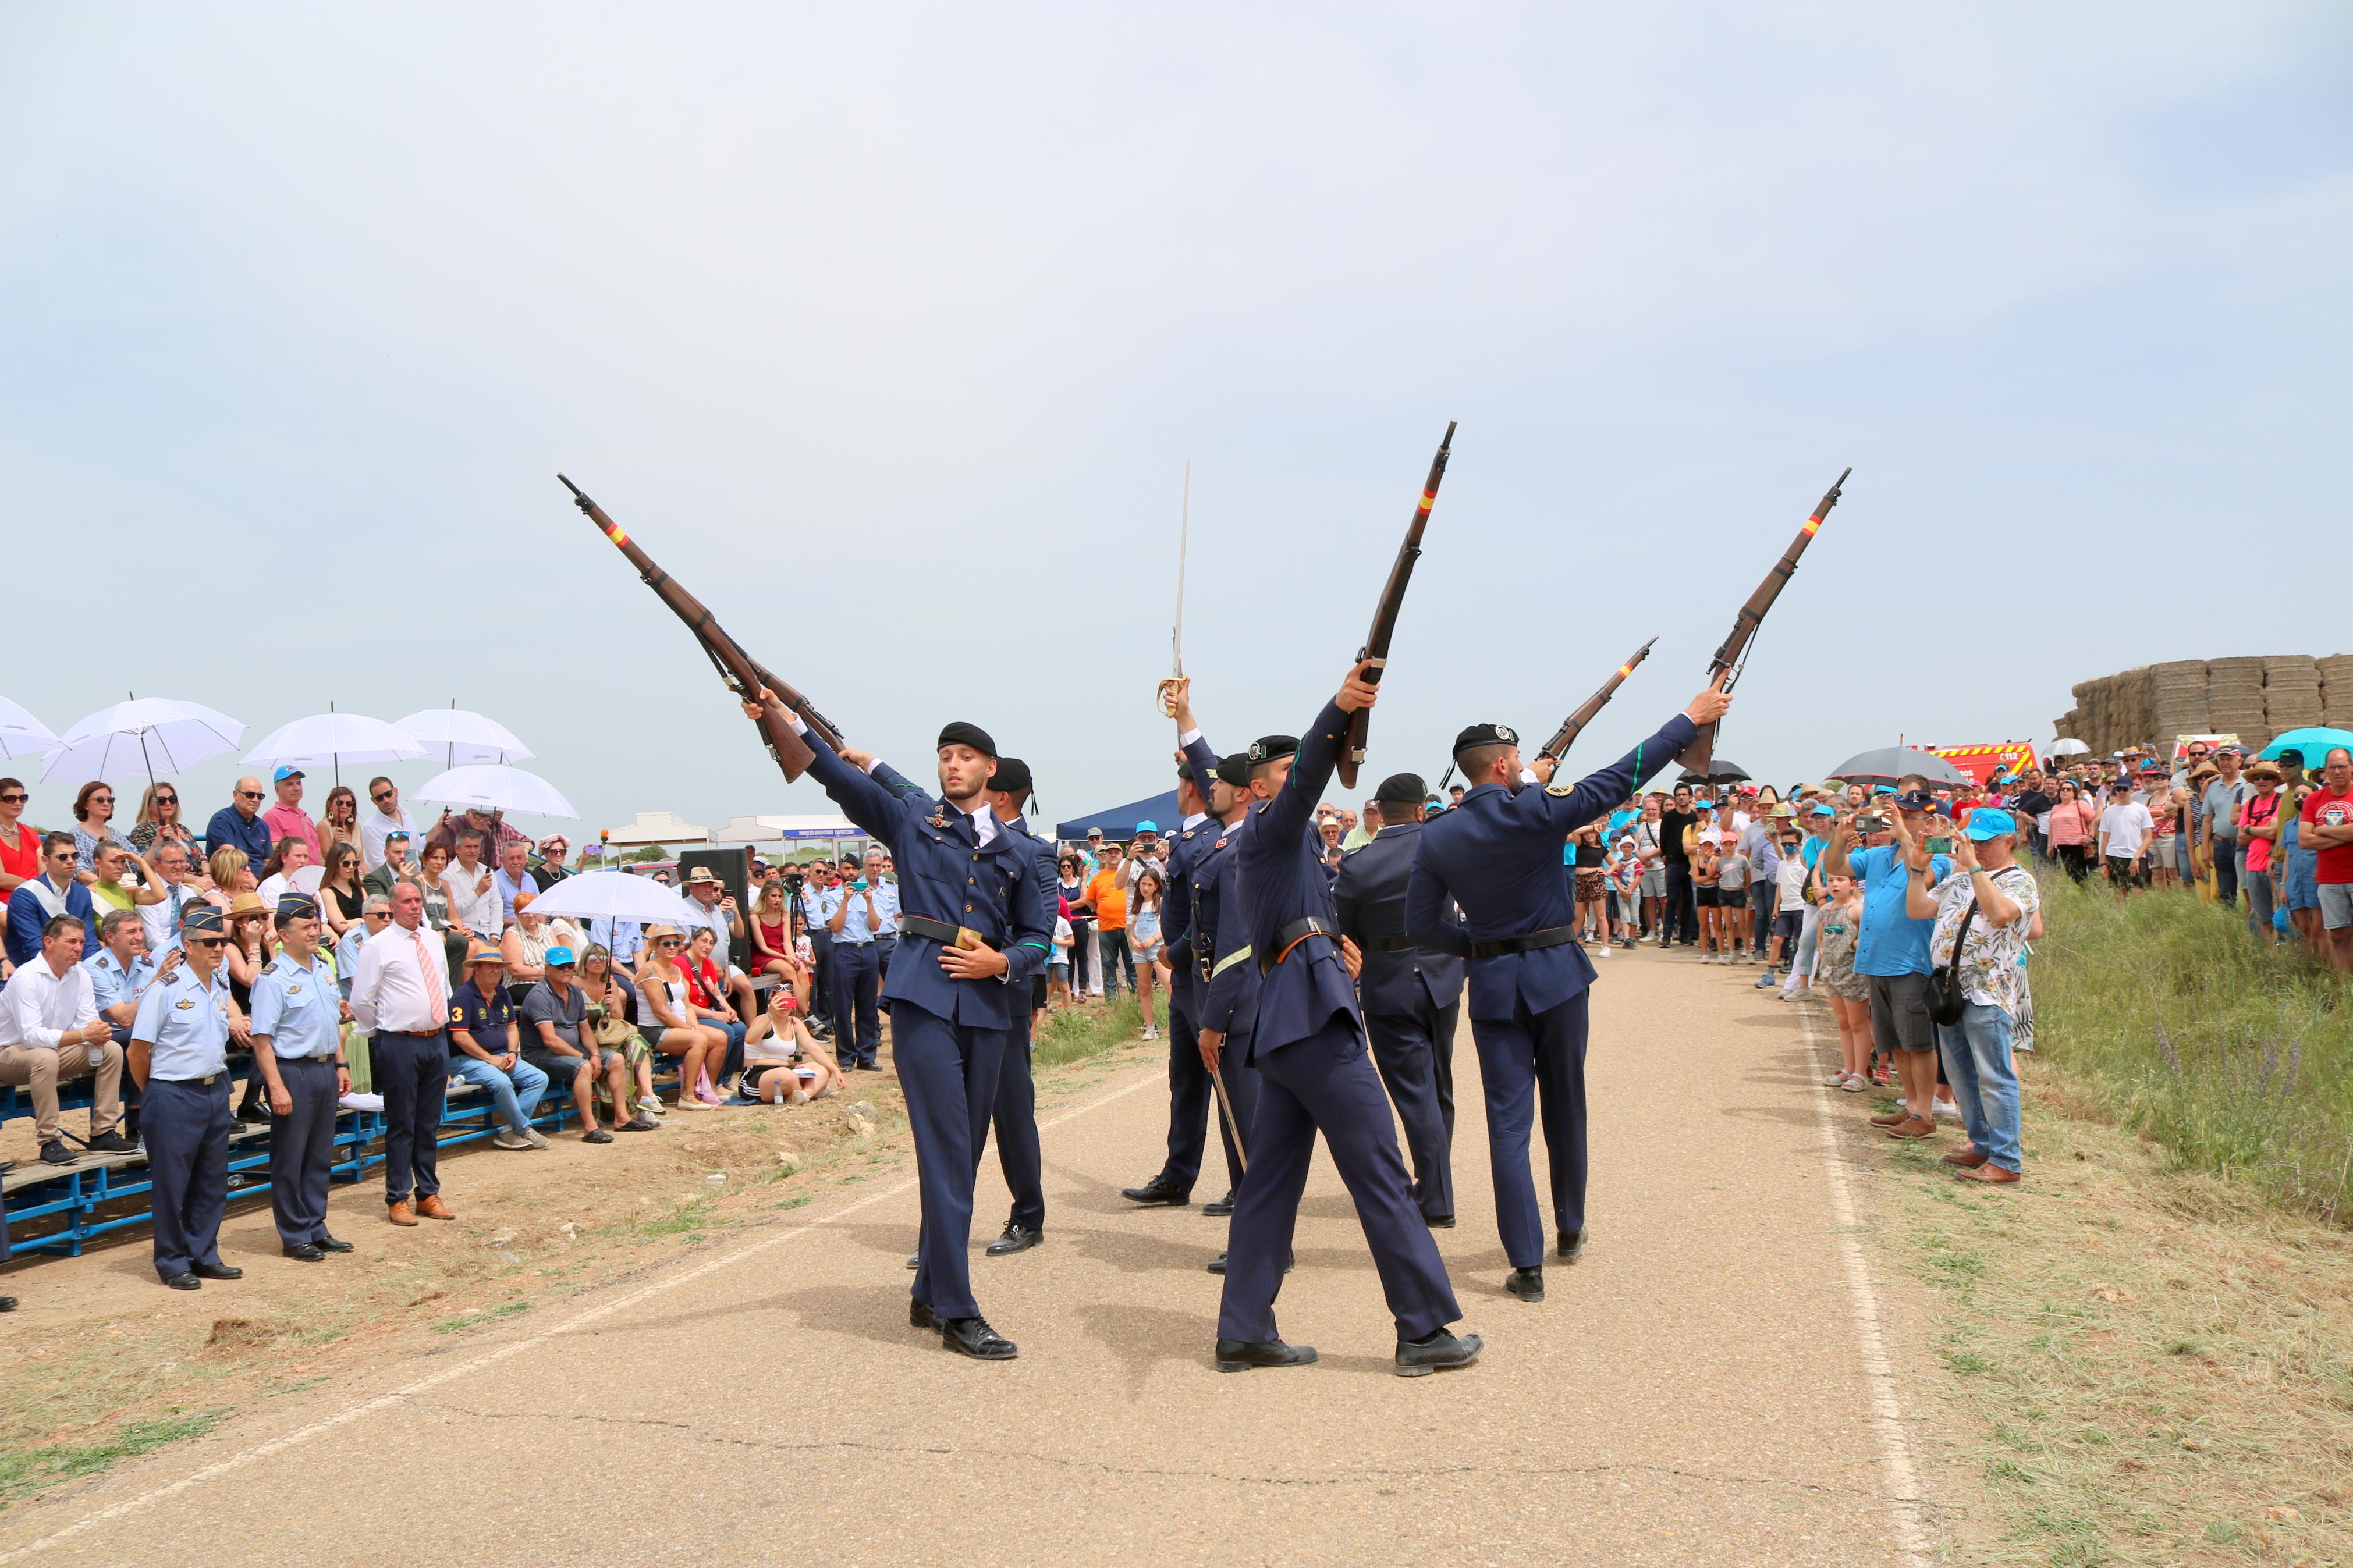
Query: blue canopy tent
[[1120, 821]]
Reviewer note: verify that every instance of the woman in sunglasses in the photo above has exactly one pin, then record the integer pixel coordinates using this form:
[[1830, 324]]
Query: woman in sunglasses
[[674, 1024], [93, 809], [20, 846], [159, 823], [341, 823]]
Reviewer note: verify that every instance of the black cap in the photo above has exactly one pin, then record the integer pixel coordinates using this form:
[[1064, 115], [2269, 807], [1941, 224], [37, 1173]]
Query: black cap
[[1012, 773], [1401, 789], [1234, 770], [963, 734], [1485, 735], [1266, 748], [1917, 799]]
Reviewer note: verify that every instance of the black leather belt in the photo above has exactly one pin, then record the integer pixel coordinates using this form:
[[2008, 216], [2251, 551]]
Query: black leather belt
[[1291, 936], [1388, 943], [939, 931], [1532, 941]]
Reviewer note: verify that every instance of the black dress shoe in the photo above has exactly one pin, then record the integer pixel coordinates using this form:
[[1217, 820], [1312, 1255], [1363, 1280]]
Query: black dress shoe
[[1439, 1352], [1235, 1355], [329, 1243], [920, 1317], [975, 1338], [8, 1303], [914, 1261], [1217, 1264], [1222, 1207], [304, 1252], [111, 1144], [218, 1271], [1442, 1222], [1156, 1193], [1572, 1242], [6, 1166], [1017, 1237], [1527, 1284], [184, 1282]]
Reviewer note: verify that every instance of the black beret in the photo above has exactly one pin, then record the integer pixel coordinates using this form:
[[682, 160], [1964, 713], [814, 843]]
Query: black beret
[[1012, 773], [1403, 789], [963, 734], [1266, 748], [1234, 770], [202, 918], [297, 906], [1485, 735]]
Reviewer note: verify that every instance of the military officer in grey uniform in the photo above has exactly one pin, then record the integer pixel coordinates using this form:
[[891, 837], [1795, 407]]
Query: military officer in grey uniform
[[298, 1046], [179, 1059], [1412, 994]]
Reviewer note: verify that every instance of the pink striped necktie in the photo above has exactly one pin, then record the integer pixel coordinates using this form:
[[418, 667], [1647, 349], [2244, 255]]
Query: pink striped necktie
[[432, 981]]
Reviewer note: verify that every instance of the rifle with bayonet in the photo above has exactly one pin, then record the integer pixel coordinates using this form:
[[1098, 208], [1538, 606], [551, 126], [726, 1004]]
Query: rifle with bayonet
[[743, 674], [1564, 736], [1376, 651], [1700, 755]]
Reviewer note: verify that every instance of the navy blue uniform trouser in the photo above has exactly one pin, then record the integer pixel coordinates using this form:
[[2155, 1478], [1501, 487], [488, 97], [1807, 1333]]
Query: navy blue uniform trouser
[[301, 1150], [1015, 1116], [948, 1074], [821, 978], [1408, 1050], [1528, 1059], [412, 1073], [186, 1129], [1327, 1083], [858, 983]]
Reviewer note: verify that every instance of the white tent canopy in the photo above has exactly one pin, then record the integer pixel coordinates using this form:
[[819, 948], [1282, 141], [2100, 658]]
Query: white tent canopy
[[764, 830], [658, 827]]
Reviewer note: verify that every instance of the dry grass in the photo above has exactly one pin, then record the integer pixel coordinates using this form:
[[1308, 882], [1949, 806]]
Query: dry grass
[[2138, 1363]]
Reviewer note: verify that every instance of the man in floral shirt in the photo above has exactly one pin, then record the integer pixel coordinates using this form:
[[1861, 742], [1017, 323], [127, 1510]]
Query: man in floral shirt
[[1976, 1050]]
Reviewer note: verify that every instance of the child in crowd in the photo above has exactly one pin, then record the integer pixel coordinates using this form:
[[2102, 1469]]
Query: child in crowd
[[1625, 889], [1058, 968], [1850, 996], [1732, 902], [1705, 865], [1788, 910], [1144, 939]]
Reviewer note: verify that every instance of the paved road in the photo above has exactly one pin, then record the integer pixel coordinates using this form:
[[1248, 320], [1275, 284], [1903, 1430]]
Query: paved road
[[1690, 1394]]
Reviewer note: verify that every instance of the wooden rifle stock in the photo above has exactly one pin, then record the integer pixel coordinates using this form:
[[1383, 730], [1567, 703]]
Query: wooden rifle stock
[[1564, 736], [1376, 651], [1700, 755], [743, 674]]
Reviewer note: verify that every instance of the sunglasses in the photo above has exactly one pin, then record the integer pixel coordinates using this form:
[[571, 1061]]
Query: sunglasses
[[102, 800], [16, 799], [205, 942], [167, 800], [65, 854], [248, 794], [381, 794]]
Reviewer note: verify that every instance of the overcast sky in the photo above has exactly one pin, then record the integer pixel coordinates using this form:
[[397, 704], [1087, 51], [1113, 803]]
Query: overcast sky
[[890, 330]]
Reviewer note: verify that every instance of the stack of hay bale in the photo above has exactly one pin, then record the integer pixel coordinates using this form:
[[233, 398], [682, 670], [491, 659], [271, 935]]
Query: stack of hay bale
[[2335, 674], [2291, 693], [2180, 700], [2234, 700]]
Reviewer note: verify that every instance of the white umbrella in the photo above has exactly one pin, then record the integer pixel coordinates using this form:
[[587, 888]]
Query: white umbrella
[[610, 896], [333, 739], [21, 734], [2069, 748], [488, 787], [462, 737], [146, 734]]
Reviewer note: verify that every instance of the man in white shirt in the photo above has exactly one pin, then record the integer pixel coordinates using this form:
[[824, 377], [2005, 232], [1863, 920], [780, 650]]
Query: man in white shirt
[[388, 815], [49, 1030], [2126, 827], [473, 890], [401, 997], [162, 917]]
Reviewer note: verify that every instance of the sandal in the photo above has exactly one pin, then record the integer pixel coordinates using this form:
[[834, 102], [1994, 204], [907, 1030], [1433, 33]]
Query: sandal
[[1854, 1083]]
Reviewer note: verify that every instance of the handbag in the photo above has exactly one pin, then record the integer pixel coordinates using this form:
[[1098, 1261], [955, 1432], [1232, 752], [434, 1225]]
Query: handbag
[[1944, 999]]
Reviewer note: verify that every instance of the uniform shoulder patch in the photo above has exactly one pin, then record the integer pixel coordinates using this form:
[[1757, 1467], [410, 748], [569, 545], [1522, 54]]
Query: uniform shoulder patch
[[269, 968], [1562, 790], [185, 1003]]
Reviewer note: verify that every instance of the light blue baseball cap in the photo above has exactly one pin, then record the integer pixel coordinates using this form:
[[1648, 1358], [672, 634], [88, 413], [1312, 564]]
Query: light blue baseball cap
[[1147, 826], [1990, 822]]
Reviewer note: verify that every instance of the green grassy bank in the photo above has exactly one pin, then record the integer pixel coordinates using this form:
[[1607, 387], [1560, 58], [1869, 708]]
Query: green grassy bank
[[2237, 1057]]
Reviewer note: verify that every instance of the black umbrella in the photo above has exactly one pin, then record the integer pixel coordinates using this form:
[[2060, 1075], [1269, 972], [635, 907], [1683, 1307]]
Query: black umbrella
[[1888, 763], [1721, 771]]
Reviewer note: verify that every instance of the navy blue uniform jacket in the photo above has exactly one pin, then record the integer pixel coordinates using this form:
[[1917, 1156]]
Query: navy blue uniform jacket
[[944, 874], [1281, 878], [1370, 896], [1228, 1004], [1498, 855], [1185, 848]]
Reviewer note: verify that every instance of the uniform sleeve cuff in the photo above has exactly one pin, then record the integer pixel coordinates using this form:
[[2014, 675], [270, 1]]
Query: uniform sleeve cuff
[[1189, 736]]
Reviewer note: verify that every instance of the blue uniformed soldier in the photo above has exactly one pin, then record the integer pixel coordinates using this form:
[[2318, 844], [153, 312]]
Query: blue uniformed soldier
[[1412, 995], [1308, 1044], [298, 1012], [1016, 1114], [976, 929], [885, 888], [1190, 1086], [179, 1059], [1227, 994], [1497, 856], [856, 914]]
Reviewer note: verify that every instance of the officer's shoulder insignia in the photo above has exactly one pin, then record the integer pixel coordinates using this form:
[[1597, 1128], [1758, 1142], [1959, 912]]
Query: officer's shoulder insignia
[[1563, 790], [269, 968]]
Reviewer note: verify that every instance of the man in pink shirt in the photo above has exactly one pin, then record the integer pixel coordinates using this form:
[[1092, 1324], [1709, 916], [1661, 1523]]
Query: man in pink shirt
[[287, 818]]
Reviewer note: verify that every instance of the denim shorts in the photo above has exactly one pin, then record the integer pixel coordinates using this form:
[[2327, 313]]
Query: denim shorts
[[2302, 878]]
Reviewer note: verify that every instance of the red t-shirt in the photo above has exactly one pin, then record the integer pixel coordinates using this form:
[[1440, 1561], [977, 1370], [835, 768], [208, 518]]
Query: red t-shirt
[[2323, 809]]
